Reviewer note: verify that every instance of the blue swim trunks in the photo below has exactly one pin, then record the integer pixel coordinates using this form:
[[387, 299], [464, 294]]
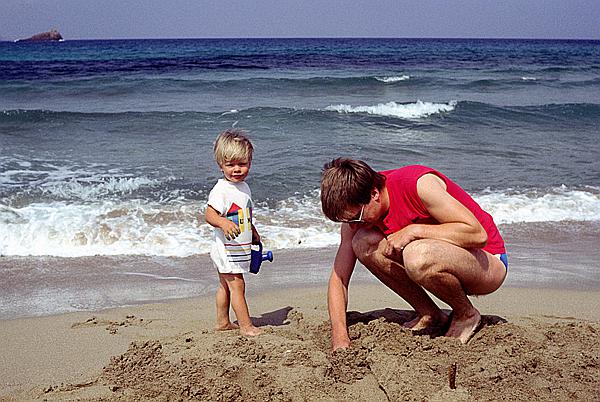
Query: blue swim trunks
[[504, 259]]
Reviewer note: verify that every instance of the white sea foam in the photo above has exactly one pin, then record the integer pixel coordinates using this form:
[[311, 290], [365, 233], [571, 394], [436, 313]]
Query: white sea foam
[[17, 171], [63, 180], [92, 190], [109, 227], [141, 227], [415, 110], [392, 79], [559, 204], [113, 227], [160, 277]]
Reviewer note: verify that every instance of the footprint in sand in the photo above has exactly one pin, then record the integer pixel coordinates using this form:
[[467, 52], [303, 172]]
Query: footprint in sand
[[112, 326]]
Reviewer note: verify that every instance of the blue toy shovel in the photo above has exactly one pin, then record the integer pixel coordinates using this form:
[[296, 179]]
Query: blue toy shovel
[[257, 257]]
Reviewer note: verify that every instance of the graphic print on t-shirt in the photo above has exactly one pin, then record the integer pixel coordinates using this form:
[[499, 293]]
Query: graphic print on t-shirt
[[239, 249], [236, 215]]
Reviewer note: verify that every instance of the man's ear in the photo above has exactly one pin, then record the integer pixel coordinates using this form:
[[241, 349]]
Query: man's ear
[[375, 194]]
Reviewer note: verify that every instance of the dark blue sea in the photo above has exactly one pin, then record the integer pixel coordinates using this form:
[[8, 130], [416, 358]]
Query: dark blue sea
[[105, 146]]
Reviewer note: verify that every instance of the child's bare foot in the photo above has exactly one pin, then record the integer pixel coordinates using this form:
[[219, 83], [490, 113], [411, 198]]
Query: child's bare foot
[[226, 327], [463, 328], [250, 331]]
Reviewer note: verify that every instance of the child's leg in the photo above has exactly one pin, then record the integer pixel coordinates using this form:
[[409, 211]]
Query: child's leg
[[237, 289], [223, 299]]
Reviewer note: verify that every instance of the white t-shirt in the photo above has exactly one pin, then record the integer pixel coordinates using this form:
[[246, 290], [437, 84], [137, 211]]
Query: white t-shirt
[[233, 201]]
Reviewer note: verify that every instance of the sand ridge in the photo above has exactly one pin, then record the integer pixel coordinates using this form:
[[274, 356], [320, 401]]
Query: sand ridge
[[544, 359]]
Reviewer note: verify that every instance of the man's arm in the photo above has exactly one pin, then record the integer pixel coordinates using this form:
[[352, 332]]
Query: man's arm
[[337, 292], [457, 225]]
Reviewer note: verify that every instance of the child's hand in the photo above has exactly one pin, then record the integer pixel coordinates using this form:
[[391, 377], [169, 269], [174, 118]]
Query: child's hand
[[230, 229], [255, 236]]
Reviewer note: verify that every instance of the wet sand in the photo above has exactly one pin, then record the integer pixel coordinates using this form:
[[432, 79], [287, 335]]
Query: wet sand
[[543, 255]]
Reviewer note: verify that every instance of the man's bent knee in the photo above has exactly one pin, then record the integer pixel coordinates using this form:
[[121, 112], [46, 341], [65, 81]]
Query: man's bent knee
[[365, 242], [419, 258]]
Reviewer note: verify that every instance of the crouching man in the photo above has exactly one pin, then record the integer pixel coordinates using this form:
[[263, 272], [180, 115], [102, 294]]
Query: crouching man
[[415, 230]]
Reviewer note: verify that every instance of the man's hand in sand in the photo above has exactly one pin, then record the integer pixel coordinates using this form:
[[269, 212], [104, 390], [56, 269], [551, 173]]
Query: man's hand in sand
[[340, 342]]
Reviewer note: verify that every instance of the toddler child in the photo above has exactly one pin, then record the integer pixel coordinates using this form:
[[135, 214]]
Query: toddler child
[[229, 211]]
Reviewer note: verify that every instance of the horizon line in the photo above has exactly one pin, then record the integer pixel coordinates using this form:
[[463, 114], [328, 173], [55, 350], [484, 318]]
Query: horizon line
[[320, 37], [323, 37]]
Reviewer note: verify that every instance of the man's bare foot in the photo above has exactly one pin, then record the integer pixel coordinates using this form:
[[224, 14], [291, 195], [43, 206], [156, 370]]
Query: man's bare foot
[[250, 331], [226, 327], [424, 322], [463, 328]]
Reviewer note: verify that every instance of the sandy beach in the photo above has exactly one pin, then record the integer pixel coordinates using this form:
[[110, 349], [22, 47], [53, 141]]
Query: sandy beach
[[537, 344]]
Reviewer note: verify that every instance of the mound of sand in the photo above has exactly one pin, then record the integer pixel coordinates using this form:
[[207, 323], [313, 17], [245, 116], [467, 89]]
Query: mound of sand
[[553, 360]]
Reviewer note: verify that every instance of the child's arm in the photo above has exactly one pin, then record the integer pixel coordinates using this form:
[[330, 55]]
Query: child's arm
[[214, 218], [255, 236]]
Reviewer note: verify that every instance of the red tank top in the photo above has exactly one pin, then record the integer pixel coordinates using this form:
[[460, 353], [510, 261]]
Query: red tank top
[[406, 206]]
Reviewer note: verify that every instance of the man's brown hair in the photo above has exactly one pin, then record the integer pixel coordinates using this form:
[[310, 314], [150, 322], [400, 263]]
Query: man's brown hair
[[347, 183]]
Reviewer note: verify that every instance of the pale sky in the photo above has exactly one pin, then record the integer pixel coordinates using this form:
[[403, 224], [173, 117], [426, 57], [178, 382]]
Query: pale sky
[[112, 19]]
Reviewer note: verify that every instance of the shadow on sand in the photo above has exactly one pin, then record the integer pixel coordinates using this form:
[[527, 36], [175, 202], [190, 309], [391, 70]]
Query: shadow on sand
[[402, 316], [275, 318]]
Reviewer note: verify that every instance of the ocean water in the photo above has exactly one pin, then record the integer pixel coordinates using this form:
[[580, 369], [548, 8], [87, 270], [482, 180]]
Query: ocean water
[[105, 146]]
